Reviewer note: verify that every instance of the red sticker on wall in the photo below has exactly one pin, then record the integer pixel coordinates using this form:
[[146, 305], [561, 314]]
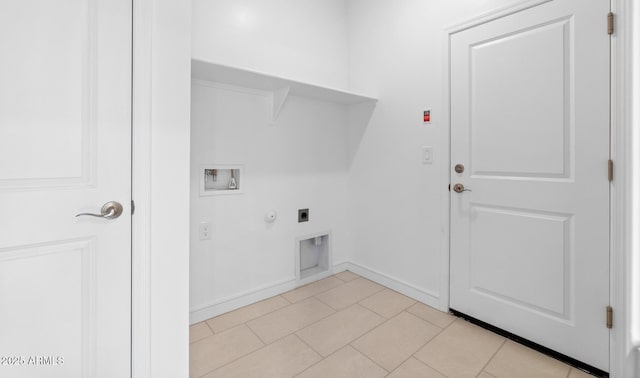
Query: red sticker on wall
[[427, 116]]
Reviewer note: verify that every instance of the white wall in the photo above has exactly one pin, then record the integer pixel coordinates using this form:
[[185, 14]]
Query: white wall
[[394, 202], [298, 39], [300, 162], [397, 49]]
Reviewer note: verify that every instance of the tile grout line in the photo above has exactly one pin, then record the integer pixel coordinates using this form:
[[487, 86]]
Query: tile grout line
[[271, 312], [322, 358], [372, 329], [263, 315], [494, 355], [238, 309], [238, 358], [242, 356], [368, 296], [347, 344], [430, 322], [419, 348], [366, 356], [408, 358], [412, 354], [434, 369], [258, 336], [336, 276], [422, 362], [433, 338], [294, 332], [208, 326], [313, 295], [393, 316], [443, 328]]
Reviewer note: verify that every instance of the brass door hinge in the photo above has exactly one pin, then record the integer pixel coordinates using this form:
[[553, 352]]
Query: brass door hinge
[[610, 23], [610, 170], [609, 317]]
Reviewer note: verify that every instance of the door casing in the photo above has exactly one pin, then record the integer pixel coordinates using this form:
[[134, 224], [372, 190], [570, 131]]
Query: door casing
[[161, 139]]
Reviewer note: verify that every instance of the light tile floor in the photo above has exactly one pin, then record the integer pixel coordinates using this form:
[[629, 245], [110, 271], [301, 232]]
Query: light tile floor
[[346, 326]]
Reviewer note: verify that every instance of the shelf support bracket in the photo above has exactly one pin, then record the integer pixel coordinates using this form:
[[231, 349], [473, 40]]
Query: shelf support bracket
[[278, 98]]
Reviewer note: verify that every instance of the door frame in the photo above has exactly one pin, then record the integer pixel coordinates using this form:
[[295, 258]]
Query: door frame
[[161, 87], [624, 93], [141, 284]]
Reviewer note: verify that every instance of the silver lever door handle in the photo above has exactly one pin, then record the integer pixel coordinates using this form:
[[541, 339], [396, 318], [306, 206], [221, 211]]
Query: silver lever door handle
[[110, 210]]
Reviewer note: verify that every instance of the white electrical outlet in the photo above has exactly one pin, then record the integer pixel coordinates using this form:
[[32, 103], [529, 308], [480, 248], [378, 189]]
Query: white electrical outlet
[[205, 231]]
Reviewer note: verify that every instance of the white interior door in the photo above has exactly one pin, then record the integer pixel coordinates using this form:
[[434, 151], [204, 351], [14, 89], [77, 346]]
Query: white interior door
[[530, 124], [65, 148]]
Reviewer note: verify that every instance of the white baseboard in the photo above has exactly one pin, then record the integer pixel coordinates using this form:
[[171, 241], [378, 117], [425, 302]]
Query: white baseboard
[[341, 266], [412, 291], [221, 306], [207, 311], [210, 310]]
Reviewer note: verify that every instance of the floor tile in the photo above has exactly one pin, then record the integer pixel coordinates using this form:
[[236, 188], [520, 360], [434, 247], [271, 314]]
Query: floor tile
[[217, 350], [351, 292], [339, 329], [347, 276], [283, 359], [199, 331], [390, 344], [244, 314], [387, 303], [287, 320], [363, 330], [575, 373], [312, 289], [516, 360], [345, 363], [430, 314], [461, 350], [413, 368]]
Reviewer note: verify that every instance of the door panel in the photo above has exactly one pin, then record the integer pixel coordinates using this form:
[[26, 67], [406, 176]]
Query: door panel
[[535, 119], [65, 148], [32, 95], [535, 266], [530, 123]]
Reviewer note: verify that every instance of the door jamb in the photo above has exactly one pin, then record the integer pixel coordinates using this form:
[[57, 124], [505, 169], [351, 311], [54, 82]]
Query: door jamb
[[622, 348], [623, 352], [141, 286]]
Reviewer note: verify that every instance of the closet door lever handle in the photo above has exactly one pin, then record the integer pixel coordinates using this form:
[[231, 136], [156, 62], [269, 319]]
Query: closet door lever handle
[[459, 188], [110, 210]]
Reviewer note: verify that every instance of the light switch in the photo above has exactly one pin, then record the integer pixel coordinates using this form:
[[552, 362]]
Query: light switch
[[205, 231], [427, 155]]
